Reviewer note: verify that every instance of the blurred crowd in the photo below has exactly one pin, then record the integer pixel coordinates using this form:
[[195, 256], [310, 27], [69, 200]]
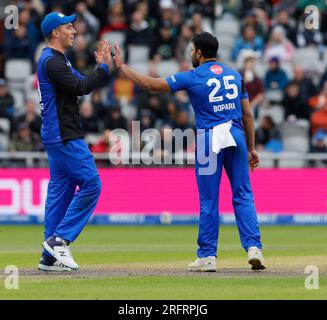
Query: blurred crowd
[[265, 48]]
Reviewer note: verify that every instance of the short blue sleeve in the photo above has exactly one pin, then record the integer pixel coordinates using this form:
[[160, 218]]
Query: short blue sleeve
[[179, 81]]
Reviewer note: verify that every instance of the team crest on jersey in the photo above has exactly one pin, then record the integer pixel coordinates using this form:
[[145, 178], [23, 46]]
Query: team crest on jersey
[[216, 69]]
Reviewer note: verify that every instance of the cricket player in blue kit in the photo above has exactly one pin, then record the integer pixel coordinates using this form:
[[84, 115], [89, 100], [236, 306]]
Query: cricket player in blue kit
[[225, 138], [70, 161]]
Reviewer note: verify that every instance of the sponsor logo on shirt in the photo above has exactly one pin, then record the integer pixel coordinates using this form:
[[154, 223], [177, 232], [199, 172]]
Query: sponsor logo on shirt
[[216, 69]]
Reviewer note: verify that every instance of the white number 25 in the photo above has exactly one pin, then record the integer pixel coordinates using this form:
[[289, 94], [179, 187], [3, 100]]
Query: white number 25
[[217, 85]]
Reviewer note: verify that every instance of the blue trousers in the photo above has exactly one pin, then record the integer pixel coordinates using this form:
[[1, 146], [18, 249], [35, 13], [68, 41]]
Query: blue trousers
[[235, 162], [67, 211]]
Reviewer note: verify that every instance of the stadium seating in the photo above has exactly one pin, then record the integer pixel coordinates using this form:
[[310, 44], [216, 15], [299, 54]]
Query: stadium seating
[[114, 37], [167, 68], [4, 133], [19, 99], [275, 96], [16, 71], [310, 61], [138, 54], [276, 112], [227, 26], [291, 160], [295, 136], [141, 67], [288, 68]]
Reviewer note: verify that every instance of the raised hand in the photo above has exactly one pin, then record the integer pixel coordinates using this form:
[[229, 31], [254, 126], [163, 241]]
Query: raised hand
[[118, 60], [102, 55]]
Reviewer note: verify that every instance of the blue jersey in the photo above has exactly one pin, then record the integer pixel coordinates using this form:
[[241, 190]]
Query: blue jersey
[[59, 86], [215, 92]]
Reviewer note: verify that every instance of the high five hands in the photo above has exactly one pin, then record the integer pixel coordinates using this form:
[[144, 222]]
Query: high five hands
[[102, 55], [117, 58]]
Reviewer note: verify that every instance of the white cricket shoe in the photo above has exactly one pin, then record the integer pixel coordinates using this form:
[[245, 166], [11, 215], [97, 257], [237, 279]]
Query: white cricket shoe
[[255, 258], [207, 264], [49, 263], [58, 248]]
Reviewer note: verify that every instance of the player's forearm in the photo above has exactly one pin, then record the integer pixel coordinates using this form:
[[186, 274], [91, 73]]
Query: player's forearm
[[142, 80], [249, 130]]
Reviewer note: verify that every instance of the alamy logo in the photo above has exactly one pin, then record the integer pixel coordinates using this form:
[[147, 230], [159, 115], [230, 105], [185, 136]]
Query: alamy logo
[[312, 280], [312, 17], [11, 20], [12, 280]]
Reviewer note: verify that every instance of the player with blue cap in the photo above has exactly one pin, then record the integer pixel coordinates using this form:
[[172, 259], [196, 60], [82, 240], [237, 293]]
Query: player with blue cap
[[55, 19], [71, 163]]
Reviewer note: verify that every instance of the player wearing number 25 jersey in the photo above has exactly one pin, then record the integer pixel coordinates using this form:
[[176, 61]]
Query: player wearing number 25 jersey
[[225, 138], [215, 92]]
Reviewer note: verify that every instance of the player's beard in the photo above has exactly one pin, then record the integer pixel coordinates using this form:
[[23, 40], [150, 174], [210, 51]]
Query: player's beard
[[195, 62]]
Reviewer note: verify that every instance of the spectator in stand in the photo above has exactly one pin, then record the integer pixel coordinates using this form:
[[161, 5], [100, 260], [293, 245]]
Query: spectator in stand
[[139, 32], [251, 18], [248, 5], [182, 121], [319, 142], [164, 45], [295, 106], [166, 11], [31, 89], [18, 45], [82, 30], [319, 116], [88, 119], [80, 55], [283, 20], [31, 117], [306, 38], [100, 110], [253, 84], [183, 47], [115, 119], [92, 23], [155, 102], [267, 136], [205, 7], [6, 101], [116, 20], [319, 145], [124, 89], [30, 19], [288, 5], [103, 144], [197, 23], [323, 79], [25, 140], [147, 119], [307, 87], [171, 113], [248, 41], [275, 78], [279, 46], [99, 10]]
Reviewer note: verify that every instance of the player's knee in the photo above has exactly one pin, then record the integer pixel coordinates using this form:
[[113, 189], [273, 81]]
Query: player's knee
[[242, 194], [95, 185]]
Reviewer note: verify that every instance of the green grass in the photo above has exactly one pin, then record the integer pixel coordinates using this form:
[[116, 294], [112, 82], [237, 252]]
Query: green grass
[[287, 250]]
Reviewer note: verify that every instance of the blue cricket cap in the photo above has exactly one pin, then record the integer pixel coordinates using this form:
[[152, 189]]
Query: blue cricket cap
[[53, 20]]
